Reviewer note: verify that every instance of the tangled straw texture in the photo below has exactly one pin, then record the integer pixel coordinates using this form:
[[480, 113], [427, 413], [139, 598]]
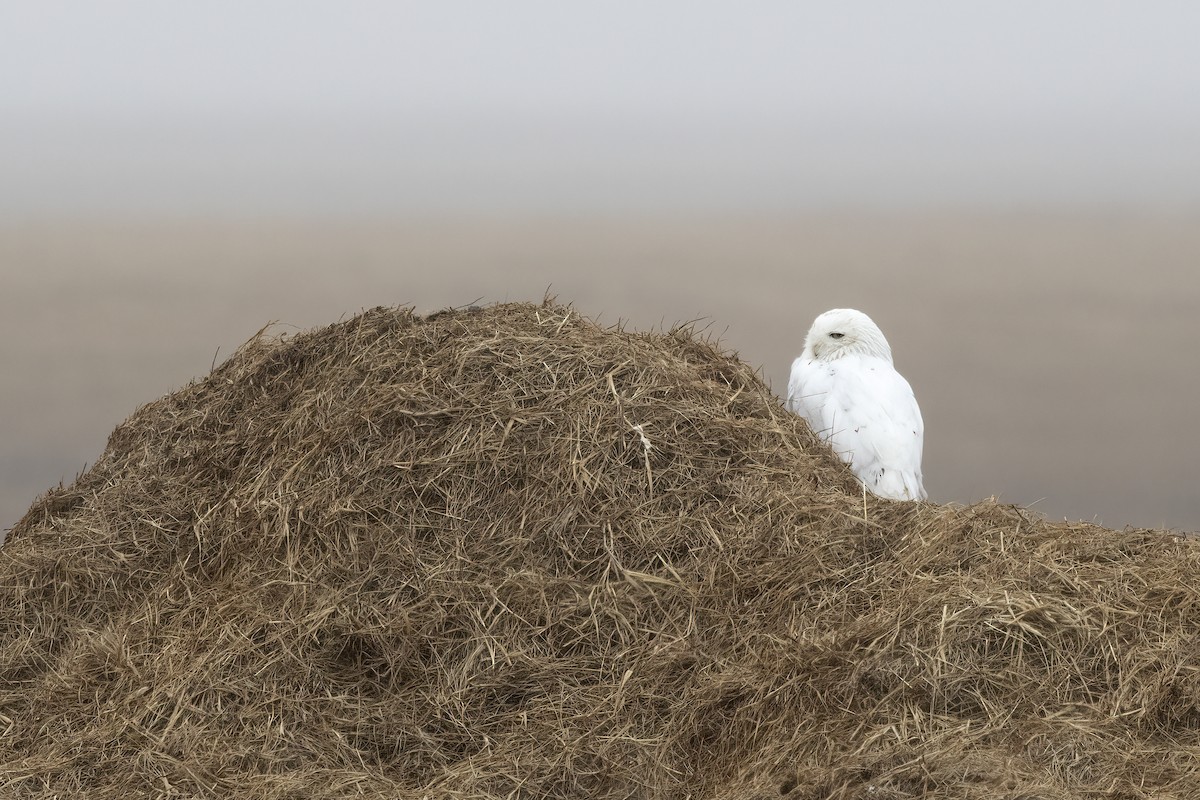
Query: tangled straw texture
[[510, 553]]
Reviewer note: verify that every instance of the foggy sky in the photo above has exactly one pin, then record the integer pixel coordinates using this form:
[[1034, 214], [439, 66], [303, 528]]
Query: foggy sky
[[356, 107]]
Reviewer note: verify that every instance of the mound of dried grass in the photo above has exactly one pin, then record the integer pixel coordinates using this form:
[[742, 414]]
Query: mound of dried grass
[[508, 553]]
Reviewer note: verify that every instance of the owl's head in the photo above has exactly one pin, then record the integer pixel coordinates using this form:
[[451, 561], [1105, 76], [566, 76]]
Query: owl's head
[[842, 332]]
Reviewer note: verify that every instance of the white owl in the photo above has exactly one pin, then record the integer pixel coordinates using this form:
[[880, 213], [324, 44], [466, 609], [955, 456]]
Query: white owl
[[844, 384]]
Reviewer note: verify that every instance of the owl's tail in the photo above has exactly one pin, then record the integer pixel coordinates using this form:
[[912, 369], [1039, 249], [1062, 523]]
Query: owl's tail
[[896, 484]]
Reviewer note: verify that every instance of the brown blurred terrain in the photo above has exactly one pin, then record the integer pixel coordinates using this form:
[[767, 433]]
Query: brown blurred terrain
[[1053, 355]]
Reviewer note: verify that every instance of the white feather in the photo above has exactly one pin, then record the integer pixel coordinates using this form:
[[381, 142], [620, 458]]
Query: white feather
[[845, 386]]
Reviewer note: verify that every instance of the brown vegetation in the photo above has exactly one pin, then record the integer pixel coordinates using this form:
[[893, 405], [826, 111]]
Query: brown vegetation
[[509, 553]]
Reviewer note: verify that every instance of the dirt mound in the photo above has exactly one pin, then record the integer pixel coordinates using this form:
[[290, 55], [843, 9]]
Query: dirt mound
[[509, 553]]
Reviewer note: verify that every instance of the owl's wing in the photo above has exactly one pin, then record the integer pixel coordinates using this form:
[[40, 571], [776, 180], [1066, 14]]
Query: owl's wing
[[870, 416]]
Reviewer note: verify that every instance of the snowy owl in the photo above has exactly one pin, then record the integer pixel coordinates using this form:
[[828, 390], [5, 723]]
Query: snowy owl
[[844, 384]]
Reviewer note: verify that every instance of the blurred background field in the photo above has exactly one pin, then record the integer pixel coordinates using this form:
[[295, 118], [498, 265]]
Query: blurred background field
[[1012, 193], [1058, 368]]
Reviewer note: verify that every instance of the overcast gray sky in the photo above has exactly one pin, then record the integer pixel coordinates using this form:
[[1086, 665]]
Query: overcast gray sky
[[470, 105]]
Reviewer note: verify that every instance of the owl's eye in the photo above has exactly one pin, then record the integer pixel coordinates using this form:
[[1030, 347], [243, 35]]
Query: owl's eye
[[836, 335]]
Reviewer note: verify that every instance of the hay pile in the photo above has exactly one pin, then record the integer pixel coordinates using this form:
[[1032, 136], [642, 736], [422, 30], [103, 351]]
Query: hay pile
[[508, 553]]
